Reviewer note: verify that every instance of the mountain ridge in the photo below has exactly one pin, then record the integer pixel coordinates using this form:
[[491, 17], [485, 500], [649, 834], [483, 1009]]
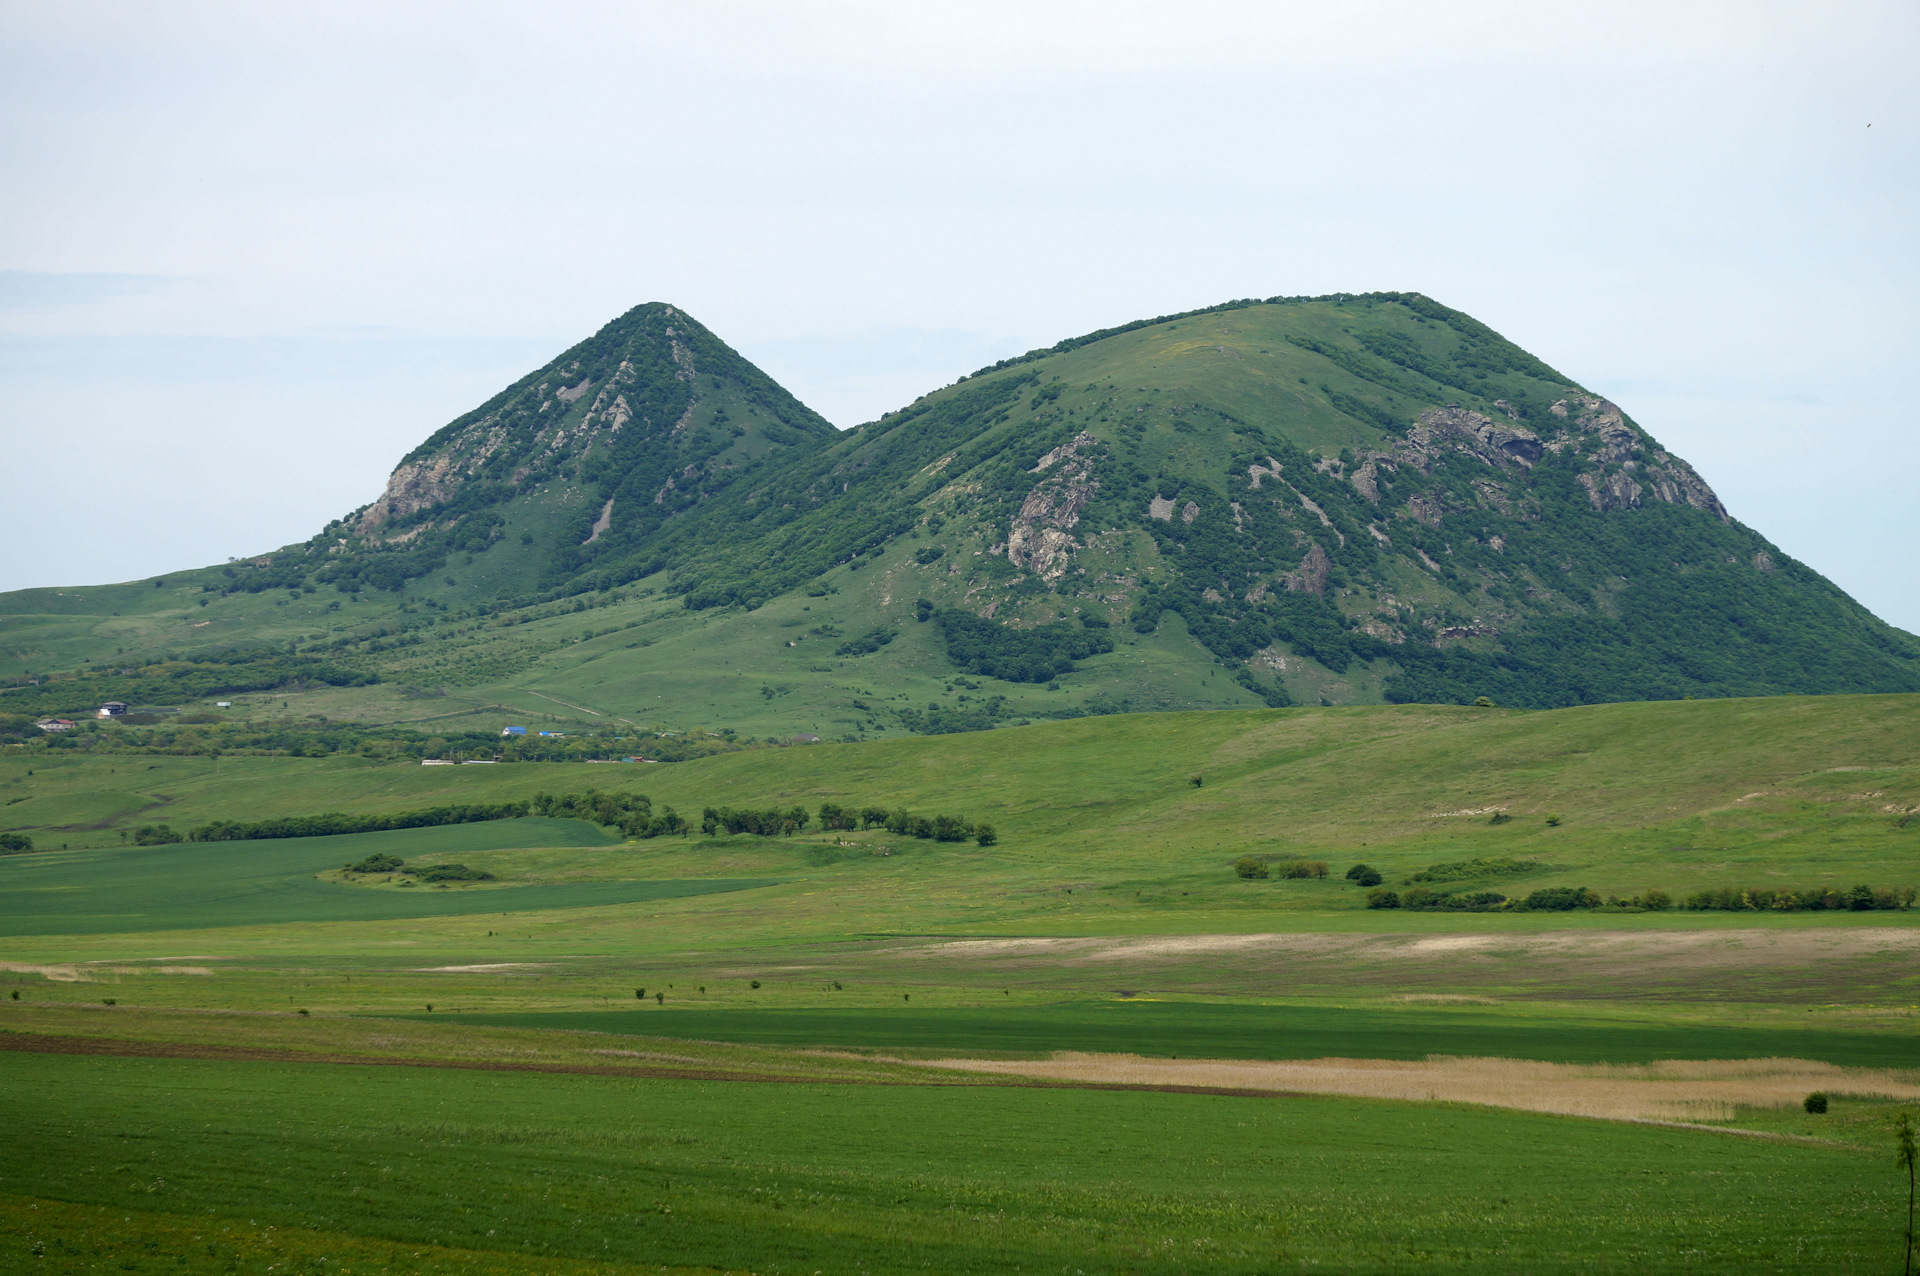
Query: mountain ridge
[[1339, 499]]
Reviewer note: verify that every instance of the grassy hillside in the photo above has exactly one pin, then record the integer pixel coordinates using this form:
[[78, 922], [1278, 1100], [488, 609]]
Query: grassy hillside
[[1100, 819], [1341, 500]]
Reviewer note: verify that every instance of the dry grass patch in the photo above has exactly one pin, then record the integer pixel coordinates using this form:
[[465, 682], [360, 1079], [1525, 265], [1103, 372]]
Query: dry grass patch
[[1671, 1090]]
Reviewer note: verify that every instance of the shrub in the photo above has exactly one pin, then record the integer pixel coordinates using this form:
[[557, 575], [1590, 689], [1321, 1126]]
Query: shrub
[[1302, 868], [1417, 897], [1364, 875], [1553, 821], [1560, 899], [1656, 901], [155, 835], [1454, 870], [377, 863], [14, 843], [984, 834], [1770, 899], [1380, 897], [1250, 868], [1815, 1102], [1500, 817], [450, 873]]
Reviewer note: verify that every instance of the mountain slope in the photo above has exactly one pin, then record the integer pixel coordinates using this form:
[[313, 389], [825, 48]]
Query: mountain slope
[[1336, 500]]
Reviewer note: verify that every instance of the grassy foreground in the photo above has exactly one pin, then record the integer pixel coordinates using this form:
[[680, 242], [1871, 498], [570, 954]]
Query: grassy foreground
[[176, 1112], [897, 1179]]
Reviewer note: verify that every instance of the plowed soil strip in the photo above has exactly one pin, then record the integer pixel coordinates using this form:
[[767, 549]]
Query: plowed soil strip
[[43, 1043]]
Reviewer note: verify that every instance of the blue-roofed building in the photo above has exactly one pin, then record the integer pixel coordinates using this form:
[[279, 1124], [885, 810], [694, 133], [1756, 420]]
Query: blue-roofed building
[[513, 730]]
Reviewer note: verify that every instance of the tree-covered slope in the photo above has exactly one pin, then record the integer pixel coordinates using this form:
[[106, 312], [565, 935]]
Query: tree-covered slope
[[1331, 481]]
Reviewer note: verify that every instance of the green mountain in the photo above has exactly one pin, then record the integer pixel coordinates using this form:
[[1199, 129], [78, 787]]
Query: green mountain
[[1336, 500]]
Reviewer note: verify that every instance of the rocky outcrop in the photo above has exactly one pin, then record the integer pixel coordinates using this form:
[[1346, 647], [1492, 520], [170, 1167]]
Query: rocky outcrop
[[1468, 431], [1040, 538], [1311, 576]]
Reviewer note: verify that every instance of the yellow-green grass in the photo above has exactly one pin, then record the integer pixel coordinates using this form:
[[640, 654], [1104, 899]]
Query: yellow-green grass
[[1677, 796], [187, 885], [897, 1179]]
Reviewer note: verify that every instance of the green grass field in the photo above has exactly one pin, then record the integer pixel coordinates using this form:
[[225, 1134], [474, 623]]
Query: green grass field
[[1239, 1031], [1107, 919], [191, 885], [906, 1179]]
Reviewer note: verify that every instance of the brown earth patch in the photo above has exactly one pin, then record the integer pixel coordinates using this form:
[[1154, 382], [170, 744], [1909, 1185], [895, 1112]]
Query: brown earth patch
[[1670, 1090]]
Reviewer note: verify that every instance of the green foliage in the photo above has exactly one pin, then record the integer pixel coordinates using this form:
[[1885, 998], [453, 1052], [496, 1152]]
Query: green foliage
[[1560, 899], [1039, 654], [15, 843], [1455, 870], [155, 835], [377, 863], [449, 873], [1364, 875], [866, 644], [1301, 869], [1253, 869], [1381, 897], [337, 822], [1815, 1103], [1773, 899]]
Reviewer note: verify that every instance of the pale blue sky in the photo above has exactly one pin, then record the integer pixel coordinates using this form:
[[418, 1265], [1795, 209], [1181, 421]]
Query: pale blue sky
[[252, 253]]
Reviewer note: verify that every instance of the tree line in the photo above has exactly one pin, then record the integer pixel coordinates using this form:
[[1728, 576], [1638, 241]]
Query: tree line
[[632, 813], [1723, 899]]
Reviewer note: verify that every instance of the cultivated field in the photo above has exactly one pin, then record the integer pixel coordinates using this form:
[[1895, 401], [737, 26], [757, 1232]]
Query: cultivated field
[[1091, 1043]]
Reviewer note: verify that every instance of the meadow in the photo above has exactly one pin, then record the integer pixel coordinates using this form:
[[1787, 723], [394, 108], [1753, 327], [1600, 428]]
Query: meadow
[[825, 1177], [712, 1053]]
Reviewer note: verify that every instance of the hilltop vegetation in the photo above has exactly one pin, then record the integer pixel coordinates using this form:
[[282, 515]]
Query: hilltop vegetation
[[1334, 500]]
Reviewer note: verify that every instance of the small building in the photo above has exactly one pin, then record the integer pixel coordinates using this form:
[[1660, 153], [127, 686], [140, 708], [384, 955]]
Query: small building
[[55, 724], [515, 731], [438, 762], [554, 735], [223, 704], [112, 709]]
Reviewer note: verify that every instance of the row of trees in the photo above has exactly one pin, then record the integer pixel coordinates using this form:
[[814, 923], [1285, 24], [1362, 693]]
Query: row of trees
[[900, 822], [1857, 899], [632, 813], [1724, 899]]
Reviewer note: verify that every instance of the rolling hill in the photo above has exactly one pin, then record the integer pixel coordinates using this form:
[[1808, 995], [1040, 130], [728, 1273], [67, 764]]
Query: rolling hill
[[1335, 500]]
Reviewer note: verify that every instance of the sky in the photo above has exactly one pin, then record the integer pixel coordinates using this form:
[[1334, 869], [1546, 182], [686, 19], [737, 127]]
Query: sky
[[251, 253]]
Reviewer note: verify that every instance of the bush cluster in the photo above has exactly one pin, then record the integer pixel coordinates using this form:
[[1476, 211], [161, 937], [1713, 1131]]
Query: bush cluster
[[1455, 870], [379, 863], [903, 823], [1857, 899], [1554, 899], [336, 822], [15, 843], [1254, 868]]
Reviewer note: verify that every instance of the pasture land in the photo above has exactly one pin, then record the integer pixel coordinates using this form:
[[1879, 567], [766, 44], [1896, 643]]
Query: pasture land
[[195, 885], [651, 985], [793, 1178], [1207, 1030]]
